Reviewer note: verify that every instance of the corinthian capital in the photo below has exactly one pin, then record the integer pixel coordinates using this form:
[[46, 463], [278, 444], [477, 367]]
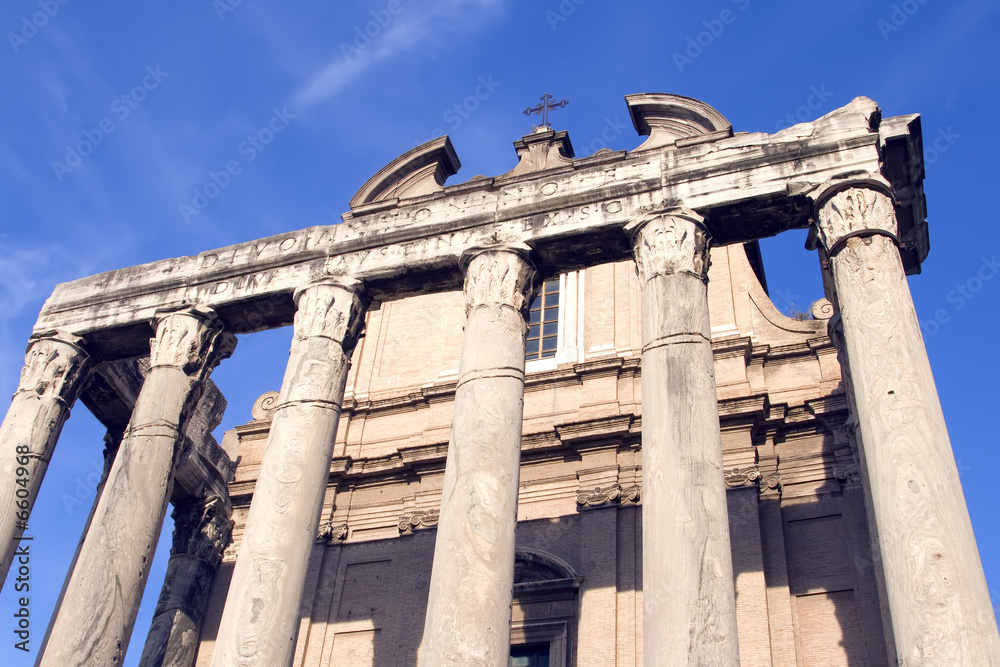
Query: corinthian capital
[[668, 242], [192, 340], [55, 364], [202, 528], [499, 276], [854, 208], [331, 308]]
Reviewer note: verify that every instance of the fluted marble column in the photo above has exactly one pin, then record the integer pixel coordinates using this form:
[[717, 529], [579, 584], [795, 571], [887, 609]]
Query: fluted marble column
[[469, 606], [56, 370], [261, 618], [939, 604], [202, 529], [689, 599], [94, 622]]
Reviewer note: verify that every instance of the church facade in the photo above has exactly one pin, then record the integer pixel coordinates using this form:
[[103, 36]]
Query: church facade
[[547, 418]]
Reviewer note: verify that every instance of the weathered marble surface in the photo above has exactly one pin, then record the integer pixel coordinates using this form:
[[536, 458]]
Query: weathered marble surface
[[95, 620], [571, 217], [261, 619], [55, 373], [939, 604], [202, 530], [469, 605], [689, 600]]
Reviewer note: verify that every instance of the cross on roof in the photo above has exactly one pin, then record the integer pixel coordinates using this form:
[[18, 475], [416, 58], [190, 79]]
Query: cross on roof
[[544, 108]]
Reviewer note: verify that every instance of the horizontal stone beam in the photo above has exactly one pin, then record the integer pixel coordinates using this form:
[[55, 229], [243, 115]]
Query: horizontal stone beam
[[747, 186]]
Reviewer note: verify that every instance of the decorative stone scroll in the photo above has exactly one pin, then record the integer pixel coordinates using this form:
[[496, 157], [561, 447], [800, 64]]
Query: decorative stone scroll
[[264, 407], [416, 520], [330, 533], [668, 242], [847, 474], [631, 495], [597, 497], [738, 477]]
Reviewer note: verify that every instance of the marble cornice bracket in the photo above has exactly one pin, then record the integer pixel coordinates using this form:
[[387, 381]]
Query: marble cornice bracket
[[847, 474], [614, 495], [331, 533], [418, 519], [752, 476]]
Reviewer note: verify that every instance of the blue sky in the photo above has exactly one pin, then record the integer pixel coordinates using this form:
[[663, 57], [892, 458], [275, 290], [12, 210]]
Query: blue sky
[[159, 97]]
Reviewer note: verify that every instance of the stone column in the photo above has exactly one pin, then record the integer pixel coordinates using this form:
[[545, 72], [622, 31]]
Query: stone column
[[471, 591], [261, 619], [689, 605], [56, 370], [202, 529], [93, 624], [939, 604]]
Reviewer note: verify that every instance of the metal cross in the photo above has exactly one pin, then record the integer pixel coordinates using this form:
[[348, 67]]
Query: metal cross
[[544, 108]]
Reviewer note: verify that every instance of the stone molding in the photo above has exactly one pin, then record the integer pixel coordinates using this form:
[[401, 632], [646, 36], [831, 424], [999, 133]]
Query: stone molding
[[741, 477], [861, 207], [331, 308], [670, 241], [416, 520], [56, 364], [502, 275], [192, 340]]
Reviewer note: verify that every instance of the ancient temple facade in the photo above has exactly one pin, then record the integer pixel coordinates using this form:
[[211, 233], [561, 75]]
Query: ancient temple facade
[[547, 418]]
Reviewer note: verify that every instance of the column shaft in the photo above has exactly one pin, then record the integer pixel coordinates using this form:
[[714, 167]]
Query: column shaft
[[688, 593], [261, 619], [939, 604], [471, 591], [55, 373], [93, 624]]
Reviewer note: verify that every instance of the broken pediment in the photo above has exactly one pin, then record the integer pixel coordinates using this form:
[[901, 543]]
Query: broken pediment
[[419, 171], [675, 120]]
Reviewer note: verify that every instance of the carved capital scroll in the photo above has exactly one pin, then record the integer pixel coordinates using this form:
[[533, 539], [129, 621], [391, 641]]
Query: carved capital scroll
[[331, 308], [854, 208], [597, 497], [499, 276], [330, 533], [56, 365], [192, 339], [412, 521], [668, 242], [264, 407], [203, 529], [740, 477]]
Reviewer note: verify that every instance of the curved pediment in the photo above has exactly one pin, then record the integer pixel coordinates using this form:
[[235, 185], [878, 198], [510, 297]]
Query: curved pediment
[[675, 120], [419, 171]]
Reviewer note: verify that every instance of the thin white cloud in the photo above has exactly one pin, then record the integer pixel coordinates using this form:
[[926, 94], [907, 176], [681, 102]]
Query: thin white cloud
[[412, 28]]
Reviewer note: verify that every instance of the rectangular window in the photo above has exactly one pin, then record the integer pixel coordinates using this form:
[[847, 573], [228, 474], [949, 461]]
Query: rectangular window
[[530, 655], [543, 322]]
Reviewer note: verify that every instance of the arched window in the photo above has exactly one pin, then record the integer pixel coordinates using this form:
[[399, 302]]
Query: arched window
[[544, 618]]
